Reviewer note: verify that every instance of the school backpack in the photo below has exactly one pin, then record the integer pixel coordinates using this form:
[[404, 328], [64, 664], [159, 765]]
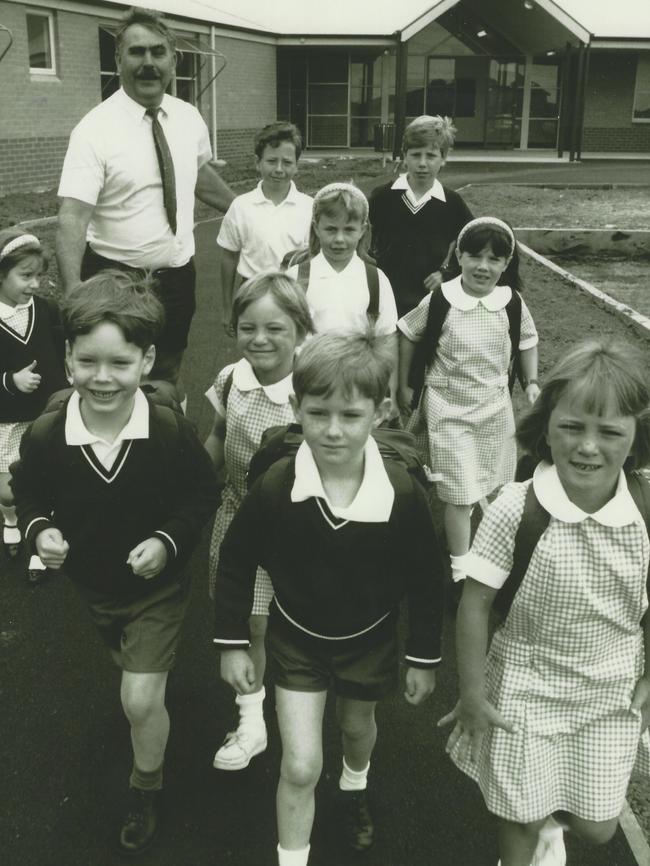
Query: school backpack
[[534, 521], [285, 439], [425, 350]]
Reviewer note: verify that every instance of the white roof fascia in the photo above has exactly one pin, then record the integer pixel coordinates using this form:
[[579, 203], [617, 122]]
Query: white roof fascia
[[426, 18], [381, 41], [632, 44], [565, 19]]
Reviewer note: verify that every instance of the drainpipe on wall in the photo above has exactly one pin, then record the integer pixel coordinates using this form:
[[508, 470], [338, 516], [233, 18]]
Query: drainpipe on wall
[[401, 62], [213, 92], [583, 99]]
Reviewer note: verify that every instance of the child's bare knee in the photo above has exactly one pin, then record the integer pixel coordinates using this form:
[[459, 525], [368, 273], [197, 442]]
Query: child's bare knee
[[356, 719], [141, 698], [301, 771], [594, 832]]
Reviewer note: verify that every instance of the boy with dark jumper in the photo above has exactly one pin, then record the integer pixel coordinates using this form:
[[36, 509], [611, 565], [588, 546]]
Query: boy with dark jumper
[[344, 536], [119, 489]]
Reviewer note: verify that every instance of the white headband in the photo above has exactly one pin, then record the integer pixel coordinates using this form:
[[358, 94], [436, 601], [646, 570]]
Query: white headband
[[17, 243], [488, 221], [350, 188]]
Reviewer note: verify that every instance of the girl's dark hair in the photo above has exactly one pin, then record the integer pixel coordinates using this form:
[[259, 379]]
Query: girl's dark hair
[[477, 237], [286, 293], [123, 299], [600, 377], [355, 361], [28, 250]]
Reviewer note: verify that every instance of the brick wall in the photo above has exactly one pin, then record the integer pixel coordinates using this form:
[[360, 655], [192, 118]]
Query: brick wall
[[609, 102], [38, 112]]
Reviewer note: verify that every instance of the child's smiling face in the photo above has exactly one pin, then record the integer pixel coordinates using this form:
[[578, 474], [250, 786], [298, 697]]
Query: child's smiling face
[[267, 337], [19, 284], [588, 450], [480, 271], [339, 233]]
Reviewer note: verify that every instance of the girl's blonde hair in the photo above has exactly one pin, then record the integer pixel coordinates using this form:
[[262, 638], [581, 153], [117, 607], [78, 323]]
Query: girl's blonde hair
[[599, 376], [353, 202], [286, 293], [427, 130]]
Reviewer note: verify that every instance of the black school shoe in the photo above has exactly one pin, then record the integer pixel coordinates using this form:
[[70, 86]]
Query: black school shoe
[[141, 822], [356, 820]]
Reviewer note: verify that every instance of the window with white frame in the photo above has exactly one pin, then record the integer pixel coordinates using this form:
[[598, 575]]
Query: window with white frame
[[40, 43], [641, 112]]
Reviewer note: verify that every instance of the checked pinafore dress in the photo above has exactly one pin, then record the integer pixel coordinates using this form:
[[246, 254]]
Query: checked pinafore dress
[[251, 408], [563, 665], [466, 404]]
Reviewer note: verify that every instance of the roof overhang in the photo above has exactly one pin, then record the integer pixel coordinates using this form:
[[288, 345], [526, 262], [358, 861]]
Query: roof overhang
[[629, 44], [342, 41]]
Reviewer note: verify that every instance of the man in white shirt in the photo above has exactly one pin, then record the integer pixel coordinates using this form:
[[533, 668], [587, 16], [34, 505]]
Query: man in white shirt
[[127, 197]]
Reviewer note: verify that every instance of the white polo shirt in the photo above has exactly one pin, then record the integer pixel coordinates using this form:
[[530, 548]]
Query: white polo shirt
[[263, 232], [111, 164], [338, 300]]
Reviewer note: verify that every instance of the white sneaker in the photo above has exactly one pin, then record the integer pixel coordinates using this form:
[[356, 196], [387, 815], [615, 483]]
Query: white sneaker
[[550, 849], [239, 748]]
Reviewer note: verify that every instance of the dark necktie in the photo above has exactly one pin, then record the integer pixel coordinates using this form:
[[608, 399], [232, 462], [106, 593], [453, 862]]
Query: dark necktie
[[166, 166]]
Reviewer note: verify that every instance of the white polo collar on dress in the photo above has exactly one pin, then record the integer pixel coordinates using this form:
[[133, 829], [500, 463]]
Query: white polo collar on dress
[[244, 378], [457, 297], [290, 198], [7, 311], [76, 432], [436, 191], [374, 500], [619, 511]]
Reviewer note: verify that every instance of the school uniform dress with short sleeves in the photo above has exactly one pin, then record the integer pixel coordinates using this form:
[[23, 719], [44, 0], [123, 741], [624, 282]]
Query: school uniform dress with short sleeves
[[338, 300], [251, 408], [563, 665], [466, 402]]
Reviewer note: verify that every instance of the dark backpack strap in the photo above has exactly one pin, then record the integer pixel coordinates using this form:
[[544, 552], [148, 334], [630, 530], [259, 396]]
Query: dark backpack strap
[[372, 278], [425, 350], [513, 309], [275, 481], [639, 488], [227, 385], [302, 276], [533, 523]]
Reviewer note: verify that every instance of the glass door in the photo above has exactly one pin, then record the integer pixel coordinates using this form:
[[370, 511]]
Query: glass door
[[504, 86], [327, 100]]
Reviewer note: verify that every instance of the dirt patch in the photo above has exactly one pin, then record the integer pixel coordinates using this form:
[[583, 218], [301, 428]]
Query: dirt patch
[[623, 278]]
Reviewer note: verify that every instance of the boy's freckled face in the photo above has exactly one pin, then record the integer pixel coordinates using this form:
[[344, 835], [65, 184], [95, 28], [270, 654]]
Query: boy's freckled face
[[277, 165], [267, 337], [337, 427], [106, 370]]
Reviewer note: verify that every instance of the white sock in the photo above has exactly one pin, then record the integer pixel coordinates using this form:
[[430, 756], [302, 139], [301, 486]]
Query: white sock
[[293, 858], [9, 514], [353, 780], [36, 563], [457, 570], [251, 709], [184, 405]]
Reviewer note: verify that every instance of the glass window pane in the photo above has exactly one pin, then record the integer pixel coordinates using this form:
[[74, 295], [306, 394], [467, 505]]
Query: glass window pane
[[365, 101], [110, 84], [328, 68], [415, 70], [185, 90], [642, 94], [106, 51], [642, 105], [415, 101], [328, 131], [185, 64], [328, 99], [542, 133], [38, 41], [362, 131]]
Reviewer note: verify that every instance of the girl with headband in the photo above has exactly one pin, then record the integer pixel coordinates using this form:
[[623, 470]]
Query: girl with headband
[[344, 290], [458, 343], [31, 363]]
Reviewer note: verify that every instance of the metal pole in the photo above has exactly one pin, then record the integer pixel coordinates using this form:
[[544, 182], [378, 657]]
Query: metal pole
[[401, 63], [583, 99]]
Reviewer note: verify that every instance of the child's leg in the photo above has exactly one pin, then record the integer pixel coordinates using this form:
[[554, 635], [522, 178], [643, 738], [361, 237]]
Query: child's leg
[[300, 719], [517, 842], [457, 521], [143, 701], [250, 738], [359, 734], [595, 832]]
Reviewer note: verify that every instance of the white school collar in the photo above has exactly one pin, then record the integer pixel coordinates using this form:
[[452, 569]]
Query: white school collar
[[244, 379], [436, 191], [619, 511], [7, 311], [320, 268], [290, 198], [76, 432], [374, 500], [458, 297]]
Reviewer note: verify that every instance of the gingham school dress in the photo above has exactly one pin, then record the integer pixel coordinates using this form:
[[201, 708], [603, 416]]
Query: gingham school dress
[[12, 432], [251, 408], [563, 665], [466, 403]]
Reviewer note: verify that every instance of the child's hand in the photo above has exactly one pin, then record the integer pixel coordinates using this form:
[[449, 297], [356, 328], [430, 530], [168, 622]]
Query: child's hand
[[432, 281], [26, 380], [404, 399], [238, 670], [472, 718], [420, 683], [52, 547], [532, 392], [641, 700], [148, 558]]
